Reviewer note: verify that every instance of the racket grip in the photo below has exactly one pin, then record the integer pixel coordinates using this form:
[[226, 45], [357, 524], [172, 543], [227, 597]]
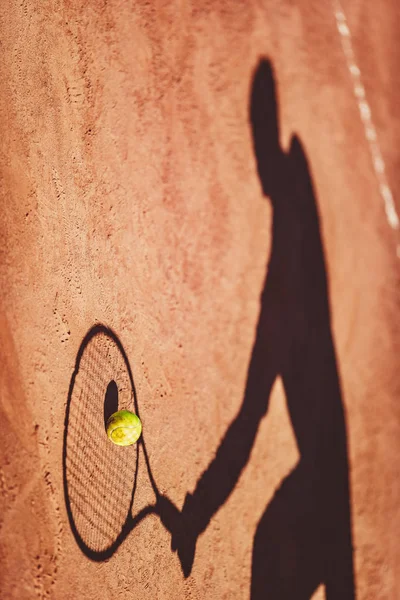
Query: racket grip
[[168, 512]]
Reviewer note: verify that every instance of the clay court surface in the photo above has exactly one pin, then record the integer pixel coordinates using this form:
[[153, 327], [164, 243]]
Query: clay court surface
[[197, 224]]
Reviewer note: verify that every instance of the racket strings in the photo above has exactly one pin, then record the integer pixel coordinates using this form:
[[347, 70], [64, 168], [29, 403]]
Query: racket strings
[[99, 474]]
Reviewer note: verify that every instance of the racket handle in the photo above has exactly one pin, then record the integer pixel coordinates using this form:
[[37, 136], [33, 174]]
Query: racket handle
[[168, 513]]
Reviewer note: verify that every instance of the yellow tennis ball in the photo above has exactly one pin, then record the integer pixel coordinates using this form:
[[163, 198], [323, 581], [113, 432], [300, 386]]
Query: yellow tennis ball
[[124, 428]]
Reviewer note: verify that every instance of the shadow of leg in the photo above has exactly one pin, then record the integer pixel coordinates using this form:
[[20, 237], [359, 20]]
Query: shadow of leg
[[287, 558]]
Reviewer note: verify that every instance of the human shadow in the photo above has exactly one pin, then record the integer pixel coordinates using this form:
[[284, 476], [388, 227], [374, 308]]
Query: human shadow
[[303, 539]]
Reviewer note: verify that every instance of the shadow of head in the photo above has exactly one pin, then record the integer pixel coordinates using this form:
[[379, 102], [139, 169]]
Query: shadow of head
[[265, 125]]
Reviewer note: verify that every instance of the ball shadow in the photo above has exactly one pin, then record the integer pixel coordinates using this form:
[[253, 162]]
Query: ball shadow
[[110, 401]]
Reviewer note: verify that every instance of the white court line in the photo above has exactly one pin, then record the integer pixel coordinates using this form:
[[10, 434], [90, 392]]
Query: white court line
[[366, 117]]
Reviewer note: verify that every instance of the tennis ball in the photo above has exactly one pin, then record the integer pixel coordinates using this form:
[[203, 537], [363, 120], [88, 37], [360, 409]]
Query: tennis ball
[[124, 428]]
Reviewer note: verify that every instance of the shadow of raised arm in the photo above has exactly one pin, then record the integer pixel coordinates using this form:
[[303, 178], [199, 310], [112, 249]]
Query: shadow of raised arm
[[219, 479]]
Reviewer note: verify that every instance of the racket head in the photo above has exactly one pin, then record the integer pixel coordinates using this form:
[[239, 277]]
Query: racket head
[[99, 477]]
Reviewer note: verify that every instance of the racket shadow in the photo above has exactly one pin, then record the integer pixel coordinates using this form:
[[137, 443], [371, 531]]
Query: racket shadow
[[100, 479]]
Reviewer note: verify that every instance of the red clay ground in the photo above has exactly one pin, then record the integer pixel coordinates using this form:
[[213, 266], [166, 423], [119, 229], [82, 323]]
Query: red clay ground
[[136, 155]]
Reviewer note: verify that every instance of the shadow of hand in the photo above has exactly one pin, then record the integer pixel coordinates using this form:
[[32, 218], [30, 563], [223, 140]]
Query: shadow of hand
[[183, 532]]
